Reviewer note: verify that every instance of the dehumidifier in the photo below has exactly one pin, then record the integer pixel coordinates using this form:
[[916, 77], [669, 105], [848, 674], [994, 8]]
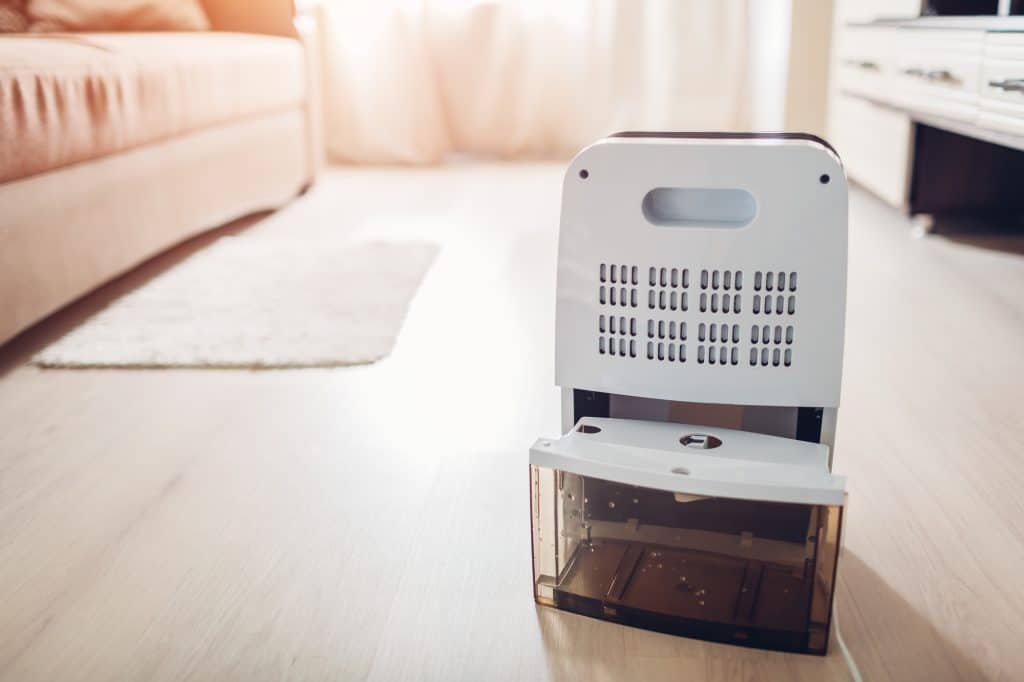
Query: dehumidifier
[[699, 347]]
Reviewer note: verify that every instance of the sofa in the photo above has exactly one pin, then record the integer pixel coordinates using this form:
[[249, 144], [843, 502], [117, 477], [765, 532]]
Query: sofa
[[116, 146]]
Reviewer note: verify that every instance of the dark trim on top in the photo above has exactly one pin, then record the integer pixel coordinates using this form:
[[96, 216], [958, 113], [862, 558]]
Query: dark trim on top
[[808, 137]]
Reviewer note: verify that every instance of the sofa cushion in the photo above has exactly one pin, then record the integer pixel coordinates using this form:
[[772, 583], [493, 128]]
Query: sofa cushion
[[119, 15], [13, 18], [273, 17], [66, 98]]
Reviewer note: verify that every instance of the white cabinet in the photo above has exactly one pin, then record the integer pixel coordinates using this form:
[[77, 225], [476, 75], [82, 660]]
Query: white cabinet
[[874, 141], [961, 74]]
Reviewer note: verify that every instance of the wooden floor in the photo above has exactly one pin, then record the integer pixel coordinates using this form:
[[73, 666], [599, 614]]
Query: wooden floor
[[372, 523]]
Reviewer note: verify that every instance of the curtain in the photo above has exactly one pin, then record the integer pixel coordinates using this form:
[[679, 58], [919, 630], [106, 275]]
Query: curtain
[[411, 81]]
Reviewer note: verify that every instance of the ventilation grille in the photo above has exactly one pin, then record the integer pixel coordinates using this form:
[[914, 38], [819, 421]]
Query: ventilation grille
[[724, 296], [668, 289], [616, 335], [665, 339], [724, 303], [727, 336], [719, 342], [619, 285], [782, 301], [666, 351], [771, 345]]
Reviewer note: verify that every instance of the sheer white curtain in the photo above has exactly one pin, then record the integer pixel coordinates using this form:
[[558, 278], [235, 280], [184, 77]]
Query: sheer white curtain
[[409, 81]]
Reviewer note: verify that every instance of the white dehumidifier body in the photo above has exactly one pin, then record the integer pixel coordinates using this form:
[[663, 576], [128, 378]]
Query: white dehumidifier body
[[700, 312]]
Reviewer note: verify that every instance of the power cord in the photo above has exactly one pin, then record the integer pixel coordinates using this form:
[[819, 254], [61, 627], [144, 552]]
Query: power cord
[[851, 664]]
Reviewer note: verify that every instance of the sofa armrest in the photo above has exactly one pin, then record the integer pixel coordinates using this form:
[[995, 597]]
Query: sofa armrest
[[308, 20], [309, 25], [270, 17]]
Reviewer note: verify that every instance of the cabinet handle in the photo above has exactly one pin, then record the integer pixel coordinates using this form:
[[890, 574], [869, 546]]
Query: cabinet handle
[[1009, 84], [944, 76], [866, 65]]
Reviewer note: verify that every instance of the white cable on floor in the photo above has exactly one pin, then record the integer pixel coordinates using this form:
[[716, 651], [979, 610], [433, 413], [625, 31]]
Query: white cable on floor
[[847, 656]]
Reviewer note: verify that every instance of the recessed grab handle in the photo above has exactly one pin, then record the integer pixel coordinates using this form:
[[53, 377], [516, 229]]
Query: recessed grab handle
[[699, 207]]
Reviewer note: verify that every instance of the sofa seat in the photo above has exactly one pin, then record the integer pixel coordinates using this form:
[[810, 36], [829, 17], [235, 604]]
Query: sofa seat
[[69, 98]]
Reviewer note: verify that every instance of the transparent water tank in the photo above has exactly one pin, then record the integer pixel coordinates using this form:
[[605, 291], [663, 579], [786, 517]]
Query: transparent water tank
[[748, 572]]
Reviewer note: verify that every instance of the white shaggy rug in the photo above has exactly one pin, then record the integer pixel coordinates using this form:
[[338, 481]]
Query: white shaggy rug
[[257, 302]]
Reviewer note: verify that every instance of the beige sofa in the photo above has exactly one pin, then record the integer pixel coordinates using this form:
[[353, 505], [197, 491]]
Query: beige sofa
[[116, 146]]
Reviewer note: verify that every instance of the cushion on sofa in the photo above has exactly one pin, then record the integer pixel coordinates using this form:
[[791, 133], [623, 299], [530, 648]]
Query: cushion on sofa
[[272, 17], [66, 98], [13, 17], [118, 15]]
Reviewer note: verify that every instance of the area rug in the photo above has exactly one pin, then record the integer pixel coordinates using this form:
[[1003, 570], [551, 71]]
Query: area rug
[[257, 301]]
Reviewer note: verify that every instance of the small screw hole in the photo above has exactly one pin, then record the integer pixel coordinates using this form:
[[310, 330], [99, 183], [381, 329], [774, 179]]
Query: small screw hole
[[824, 179], [584, 174]]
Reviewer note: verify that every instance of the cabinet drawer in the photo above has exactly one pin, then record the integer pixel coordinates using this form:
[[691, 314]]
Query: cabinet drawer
[[865, 59], [1002, 83], [939, 72], [874, 144]]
